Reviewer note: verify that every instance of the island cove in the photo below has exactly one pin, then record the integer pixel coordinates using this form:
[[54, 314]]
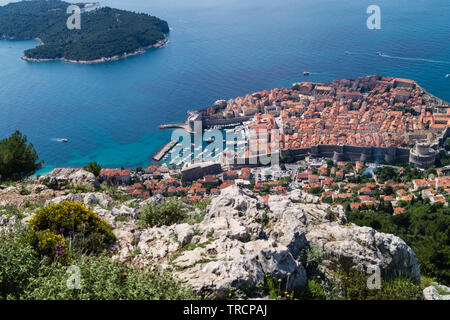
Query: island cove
[[373, 118], [105, 34]]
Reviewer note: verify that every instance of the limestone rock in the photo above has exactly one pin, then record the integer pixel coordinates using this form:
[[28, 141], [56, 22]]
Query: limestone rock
[[242, 240], [83, 177], [349, 247], [226, 263], [184, 233], [85, 198], [431, 293]]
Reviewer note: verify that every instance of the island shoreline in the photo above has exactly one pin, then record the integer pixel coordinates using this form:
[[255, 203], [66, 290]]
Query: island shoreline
[[160, 44]]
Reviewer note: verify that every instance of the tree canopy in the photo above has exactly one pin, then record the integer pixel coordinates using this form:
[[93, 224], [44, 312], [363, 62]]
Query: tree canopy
[[94, 168], [105, 32], [18, 159]]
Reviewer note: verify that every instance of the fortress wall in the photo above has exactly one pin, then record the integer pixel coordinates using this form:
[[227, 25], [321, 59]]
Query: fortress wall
[[352, 153], [298, 154], [443, 136], [211, 121]]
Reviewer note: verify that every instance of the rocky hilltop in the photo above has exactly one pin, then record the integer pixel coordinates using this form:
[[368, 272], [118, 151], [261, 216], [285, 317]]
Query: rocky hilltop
[[231, 248], [239, 240]]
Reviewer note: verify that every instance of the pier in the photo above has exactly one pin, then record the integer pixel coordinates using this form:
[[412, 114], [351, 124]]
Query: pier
[[161, 153], [183, 126]]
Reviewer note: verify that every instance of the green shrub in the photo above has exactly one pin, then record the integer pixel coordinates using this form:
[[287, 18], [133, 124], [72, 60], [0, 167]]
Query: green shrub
[[313, 291], [75, 222], [314, 256], [104, 279], [166, 213], [272, 288], [354, 287], [17, 263], [201, 204]]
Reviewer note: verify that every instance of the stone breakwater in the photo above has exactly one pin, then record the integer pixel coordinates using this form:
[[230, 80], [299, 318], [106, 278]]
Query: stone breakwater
[[139, 51]]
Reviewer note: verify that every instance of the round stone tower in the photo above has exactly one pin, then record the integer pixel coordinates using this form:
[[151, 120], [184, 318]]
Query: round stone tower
[[422, 156]]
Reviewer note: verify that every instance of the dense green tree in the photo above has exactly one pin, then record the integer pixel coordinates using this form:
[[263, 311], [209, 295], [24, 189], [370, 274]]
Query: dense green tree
[[94, 168], [388, 190], [18, 159], [105, 32]]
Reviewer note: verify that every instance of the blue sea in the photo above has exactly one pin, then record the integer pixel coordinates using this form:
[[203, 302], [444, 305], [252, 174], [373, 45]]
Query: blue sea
[[219, 49]]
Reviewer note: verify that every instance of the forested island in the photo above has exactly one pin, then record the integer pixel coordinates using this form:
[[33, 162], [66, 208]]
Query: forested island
[[106, 34]]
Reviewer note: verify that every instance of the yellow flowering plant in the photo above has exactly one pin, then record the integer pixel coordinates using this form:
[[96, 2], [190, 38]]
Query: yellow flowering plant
[[47, 244], [75, 222]]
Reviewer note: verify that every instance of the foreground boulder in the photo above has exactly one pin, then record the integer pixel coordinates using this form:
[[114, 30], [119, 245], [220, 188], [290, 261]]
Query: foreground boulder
[[90, 199], [432, 292], [353, 247]]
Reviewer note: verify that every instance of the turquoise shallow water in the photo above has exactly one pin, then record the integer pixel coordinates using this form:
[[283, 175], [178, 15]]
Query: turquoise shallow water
[[218, 50]]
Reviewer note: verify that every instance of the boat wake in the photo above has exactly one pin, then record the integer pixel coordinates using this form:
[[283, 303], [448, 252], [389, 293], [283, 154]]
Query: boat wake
[[413, 59], [380, 54]]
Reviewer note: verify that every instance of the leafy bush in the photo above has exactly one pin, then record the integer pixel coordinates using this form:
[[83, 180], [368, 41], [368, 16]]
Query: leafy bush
[[166, 213], [314, 256], [74, 221], [47, 244], [103, 279], [313, 291], [17, 158], [354, 287], [17, 263]]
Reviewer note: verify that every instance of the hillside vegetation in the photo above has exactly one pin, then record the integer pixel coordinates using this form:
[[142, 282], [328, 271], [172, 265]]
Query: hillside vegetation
[[105, 32]]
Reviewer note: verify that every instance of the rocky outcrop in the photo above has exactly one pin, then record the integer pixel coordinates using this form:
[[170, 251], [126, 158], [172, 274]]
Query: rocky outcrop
[[22, 195], [242, 240], [90, 199], [60, 177]]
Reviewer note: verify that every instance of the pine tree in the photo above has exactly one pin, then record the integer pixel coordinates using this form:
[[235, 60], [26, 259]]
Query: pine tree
[[17, 158]]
